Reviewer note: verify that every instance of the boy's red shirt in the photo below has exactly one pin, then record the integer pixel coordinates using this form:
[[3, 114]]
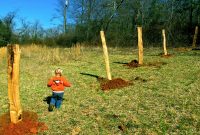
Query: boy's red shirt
[[58, 83]]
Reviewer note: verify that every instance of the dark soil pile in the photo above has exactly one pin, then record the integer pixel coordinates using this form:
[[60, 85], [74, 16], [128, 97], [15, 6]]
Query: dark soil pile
[[29, 125], [114, 84], [133, 64], [166, 56]]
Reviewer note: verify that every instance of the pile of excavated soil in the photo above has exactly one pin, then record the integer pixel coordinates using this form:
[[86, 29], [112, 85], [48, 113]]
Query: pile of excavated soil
[[166, 56], [29, 125], [114, 84], [133, 64]]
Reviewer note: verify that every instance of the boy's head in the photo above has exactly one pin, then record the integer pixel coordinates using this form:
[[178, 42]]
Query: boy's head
[[58, 71]]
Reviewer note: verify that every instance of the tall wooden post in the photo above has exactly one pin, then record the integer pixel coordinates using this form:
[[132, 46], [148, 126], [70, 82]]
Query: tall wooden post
[[13, 83], [164, 42], [195, 37], [140, 46], [105, 50]]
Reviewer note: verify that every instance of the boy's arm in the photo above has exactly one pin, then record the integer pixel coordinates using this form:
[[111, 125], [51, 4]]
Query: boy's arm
[[66, 83], [50, 82]]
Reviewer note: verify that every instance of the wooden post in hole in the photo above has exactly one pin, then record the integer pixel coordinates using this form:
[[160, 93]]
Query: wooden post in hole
[[164, 42], [13, 83], [105, 50], [140, 46], [195, 37]]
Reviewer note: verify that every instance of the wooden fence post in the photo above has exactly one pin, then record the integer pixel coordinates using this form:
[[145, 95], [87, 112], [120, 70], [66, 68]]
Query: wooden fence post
[[105, 50], [13, 83], [140, 46], [164, 42], [195, 37]]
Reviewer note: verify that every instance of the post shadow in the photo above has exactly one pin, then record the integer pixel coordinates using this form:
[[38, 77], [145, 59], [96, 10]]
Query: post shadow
[[99, 78]]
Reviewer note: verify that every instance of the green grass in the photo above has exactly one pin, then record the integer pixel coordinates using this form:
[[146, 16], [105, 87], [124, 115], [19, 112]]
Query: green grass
[[168, 103]]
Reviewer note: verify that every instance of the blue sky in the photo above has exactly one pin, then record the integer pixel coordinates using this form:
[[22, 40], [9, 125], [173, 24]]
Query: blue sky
[[31, 10]]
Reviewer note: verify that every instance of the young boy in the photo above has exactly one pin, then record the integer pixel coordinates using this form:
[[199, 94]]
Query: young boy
[[57, 84]]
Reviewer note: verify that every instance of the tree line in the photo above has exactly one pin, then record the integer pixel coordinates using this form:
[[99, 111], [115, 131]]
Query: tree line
[[118, 18]]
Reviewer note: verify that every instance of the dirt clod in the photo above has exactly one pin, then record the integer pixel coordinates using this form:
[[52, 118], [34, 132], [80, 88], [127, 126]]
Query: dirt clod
[[29, 125], [114, 84], [133, 64]]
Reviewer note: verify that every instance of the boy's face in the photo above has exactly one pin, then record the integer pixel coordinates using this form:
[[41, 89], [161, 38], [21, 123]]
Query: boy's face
[[57, 74]]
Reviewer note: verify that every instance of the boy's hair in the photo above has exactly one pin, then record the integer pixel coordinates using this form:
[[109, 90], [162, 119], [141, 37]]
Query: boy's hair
[[58, 71]]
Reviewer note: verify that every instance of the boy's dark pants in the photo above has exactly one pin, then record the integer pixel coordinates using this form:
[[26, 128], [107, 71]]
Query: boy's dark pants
[[56, 99]]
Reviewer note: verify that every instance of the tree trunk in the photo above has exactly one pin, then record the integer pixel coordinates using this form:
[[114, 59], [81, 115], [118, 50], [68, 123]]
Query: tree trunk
[[65, 19], [195, 37]]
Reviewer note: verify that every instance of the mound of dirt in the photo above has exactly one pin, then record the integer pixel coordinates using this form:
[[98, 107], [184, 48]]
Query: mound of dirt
[[166, 56], [133, 64], [29, 125], [114, 84]]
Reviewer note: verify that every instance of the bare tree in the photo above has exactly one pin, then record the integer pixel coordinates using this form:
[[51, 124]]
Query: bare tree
[[61, 12]]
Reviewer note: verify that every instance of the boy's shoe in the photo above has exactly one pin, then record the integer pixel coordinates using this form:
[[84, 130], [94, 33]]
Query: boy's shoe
[[51, 108]]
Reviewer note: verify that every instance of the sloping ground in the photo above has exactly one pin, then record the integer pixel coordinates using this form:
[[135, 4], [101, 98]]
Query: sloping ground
[[167, 103]]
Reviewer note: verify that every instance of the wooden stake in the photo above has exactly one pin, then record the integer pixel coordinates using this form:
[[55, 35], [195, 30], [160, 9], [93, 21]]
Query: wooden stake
[[164, 42], [140, 46], [13, 83], [105, 50], [195, 37]]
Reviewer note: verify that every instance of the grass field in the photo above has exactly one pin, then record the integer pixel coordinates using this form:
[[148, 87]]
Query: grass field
[[167, 103]]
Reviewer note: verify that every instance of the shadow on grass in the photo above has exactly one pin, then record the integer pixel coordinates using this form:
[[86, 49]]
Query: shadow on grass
[[105, 84], [135, 64], [123, 63], [197, 48], [99, 79], [91, 75], [48, 99], [132, 64]]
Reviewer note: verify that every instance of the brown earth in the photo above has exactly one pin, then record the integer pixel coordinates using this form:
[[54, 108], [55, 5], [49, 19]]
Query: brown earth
[[114, 84], [28, 126], [133, 64], [166, 56]]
